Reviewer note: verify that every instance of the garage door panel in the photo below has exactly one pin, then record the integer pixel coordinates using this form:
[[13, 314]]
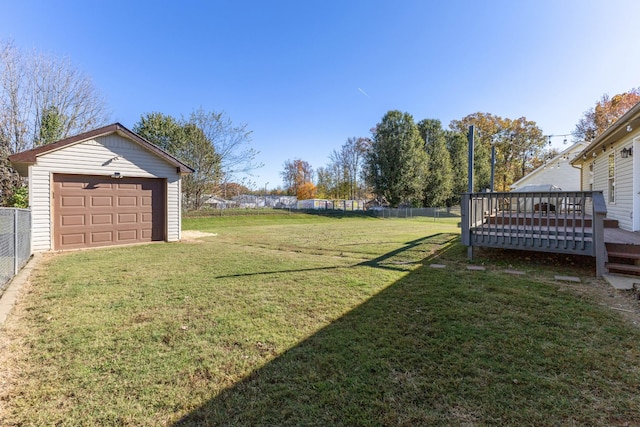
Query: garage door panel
[[127, 218], [98, 211], [127, 235], [99, 186], [71, 220], [128, 186], [101, 219], [73, 239], [72, 184], [126, 201], [72, 201], [101, 236], [101, 201]]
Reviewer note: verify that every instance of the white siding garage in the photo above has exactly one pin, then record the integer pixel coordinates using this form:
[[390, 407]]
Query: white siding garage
[[104, 187]]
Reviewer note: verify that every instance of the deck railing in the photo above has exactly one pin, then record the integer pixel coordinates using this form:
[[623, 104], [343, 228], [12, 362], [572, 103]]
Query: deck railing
[[557, 221]]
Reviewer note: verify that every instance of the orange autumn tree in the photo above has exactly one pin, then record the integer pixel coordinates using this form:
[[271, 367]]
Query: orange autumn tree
[[306, 191], [607, 111], [296, 173]]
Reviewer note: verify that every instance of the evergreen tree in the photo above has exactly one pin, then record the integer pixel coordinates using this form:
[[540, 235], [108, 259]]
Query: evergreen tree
[[439, 180], [458, 148], [51, 126], [397, 161]]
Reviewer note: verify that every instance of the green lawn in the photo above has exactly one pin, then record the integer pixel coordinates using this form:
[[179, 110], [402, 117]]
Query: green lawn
[[308, 320]]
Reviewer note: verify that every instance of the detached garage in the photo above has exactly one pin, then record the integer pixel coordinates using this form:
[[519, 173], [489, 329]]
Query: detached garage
[[105, 187]]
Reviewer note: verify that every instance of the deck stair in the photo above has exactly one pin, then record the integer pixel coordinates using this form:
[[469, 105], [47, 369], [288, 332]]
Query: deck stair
[[623, 259]]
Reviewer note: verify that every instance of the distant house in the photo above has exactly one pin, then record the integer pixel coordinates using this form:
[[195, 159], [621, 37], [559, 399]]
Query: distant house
[[314, 204], [108, 186], [216, 202], [557, 171], [608, 164]]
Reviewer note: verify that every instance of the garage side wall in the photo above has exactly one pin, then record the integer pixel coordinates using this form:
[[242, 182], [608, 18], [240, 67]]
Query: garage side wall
[[104, 155]]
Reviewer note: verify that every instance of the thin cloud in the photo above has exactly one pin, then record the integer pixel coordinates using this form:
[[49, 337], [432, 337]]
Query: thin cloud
[[363, 92]]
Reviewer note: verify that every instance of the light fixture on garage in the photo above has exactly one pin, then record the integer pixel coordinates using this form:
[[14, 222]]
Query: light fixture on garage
[[117, 175]]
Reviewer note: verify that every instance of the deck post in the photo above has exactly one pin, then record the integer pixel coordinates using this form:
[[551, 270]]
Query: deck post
[[465, 223], [599, 213], [471, 141]]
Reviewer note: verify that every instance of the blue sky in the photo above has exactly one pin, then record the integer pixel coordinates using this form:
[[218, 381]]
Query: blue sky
[[306, 75]]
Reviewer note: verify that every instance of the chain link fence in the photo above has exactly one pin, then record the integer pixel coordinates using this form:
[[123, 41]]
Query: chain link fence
[[15, 242], [448, 212]]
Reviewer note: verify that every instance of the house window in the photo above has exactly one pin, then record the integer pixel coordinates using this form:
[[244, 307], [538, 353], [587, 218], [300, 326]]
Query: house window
[[612, 180]]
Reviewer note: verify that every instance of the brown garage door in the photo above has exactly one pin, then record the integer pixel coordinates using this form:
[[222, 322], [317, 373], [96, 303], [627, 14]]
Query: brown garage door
[[93, 211]]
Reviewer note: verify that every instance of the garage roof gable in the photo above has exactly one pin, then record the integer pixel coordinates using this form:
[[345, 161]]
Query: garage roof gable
[[25, 158]]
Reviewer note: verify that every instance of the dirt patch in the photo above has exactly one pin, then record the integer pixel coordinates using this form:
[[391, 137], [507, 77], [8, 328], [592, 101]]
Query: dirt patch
[[194, 235]]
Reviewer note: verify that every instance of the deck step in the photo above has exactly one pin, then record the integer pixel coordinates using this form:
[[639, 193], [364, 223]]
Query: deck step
[[623, 268], [610, 223], [626, 255], [622, 248]]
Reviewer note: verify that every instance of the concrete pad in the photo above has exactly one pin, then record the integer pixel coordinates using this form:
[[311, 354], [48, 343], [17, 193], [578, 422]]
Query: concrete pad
[[10, 295], [567, 278], [624, 283], [476, 268], [437, 266], [516, 272]]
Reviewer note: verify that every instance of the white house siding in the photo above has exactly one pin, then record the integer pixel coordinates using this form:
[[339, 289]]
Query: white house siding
[[622, 208], [587, 180], [566, 176], [100, 156], [558, 171]]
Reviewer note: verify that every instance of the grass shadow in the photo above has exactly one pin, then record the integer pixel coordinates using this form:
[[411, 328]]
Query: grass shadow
[[441, 347], [383, 261]]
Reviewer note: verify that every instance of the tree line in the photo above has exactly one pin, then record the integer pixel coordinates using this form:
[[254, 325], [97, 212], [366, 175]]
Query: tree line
[[405, 163]]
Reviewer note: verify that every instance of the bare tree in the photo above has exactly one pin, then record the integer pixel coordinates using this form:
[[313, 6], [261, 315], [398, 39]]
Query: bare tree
[[231, 143], [32, 86], [345, 167], [58, 84]]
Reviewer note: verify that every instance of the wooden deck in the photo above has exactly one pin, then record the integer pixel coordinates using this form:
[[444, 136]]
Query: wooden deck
[[559, 222]]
